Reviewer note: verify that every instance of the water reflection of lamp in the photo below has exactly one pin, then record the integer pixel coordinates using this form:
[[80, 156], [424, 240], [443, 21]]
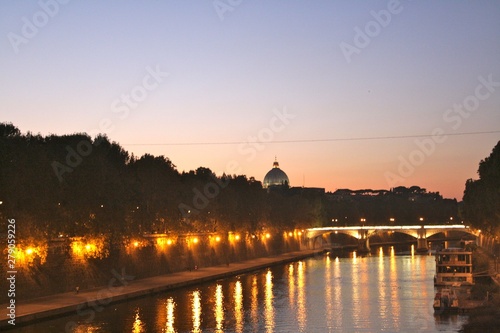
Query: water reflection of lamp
[[301, 297], [291, 285], [238, 306], [255, 301], [169, 326], [196, 306], [268, 305], [219, 308], [138, 326]]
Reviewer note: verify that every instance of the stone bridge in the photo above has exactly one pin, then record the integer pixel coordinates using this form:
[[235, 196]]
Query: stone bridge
[[314, 236]]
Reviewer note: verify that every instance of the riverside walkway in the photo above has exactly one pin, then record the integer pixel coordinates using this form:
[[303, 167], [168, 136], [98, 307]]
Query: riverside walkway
[[123, 287]]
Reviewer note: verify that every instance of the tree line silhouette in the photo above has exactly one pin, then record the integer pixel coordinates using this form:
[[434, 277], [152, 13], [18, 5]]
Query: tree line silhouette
[[77, 185]]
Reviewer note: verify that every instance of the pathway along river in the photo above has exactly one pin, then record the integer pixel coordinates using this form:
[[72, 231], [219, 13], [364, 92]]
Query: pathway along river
[[383, 292]]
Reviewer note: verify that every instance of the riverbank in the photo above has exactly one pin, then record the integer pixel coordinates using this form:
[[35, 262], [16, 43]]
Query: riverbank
[[123, 287], [485, 316]]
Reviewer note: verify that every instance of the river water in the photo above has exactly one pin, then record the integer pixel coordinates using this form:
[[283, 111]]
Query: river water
[[383, 292]]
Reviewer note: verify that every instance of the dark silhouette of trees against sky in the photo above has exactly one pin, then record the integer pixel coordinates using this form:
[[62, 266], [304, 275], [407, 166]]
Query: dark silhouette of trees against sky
[[481, 202], [77, 185], [398, 206]]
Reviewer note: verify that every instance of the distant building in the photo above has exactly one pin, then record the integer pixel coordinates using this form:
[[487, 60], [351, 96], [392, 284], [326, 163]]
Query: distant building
[[275, 177], [308, 191]]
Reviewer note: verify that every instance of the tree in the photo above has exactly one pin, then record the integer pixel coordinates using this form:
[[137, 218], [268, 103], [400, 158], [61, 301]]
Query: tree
[[481, 202]]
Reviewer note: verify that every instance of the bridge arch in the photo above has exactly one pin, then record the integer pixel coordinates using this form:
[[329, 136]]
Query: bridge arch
[[364, 233]]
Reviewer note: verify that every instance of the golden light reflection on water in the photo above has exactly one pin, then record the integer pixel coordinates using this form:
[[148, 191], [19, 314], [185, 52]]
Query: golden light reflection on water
[[219, 309], [423, 271], [196, 306], [138, 325], [255, 301], [366, 293], [169, 325], [238, 306], [356, 314], [393, 276], [412, 250], [291, 286], [382, 296], [337, 293], [328, 292], [301, 296], [268, 304]]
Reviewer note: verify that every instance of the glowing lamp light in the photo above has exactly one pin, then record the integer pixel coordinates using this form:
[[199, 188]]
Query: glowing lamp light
[[195, 240], [268, 235], [169, 242], [88, 247], [217, 239], [136, 244], [300, 233], [290, 234], [29, 251], [237, 237]]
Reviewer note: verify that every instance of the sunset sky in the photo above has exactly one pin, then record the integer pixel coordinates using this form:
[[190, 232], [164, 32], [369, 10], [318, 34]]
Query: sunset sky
[[346, 94]]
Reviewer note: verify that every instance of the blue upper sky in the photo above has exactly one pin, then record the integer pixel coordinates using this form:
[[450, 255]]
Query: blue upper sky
[[166, 72]]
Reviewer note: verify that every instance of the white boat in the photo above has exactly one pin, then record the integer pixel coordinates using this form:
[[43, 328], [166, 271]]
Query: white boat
[[453, 267]]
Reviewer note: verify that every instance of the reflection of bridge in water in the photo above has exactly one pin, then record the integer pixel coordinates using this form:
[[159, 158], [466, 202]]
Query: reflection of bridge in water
[[315, 237]]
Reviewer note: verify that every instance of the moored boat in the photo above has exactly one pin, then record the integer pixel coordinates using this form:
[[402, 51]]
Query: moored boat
[[453, 267], [446, 300]]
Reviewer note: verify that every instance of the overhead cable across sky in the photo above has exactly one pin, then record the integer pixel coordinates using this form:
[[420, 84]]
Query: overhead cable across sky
[[310, 140]]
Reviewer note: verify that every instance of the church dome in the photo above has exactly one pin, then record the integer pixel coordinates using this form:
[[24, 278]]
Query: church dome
[[275, 177]]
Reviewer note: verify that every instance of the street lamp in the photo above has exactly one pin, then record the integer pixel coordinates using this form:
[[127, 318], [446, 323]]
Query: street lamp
[[392, 219]]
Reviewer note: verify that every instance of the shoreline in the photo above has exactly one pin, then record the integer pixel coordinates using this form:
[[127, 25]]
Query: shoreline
[[124, 287]]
